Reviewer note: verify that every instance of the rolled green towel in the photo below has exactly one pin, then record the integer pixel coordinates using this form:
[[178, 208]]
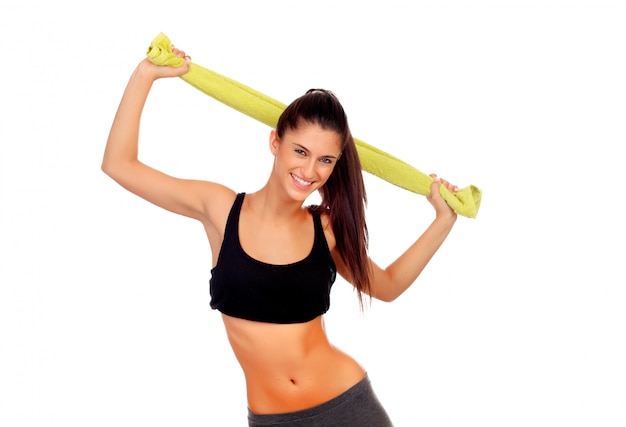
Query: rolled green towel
[[250, 102]]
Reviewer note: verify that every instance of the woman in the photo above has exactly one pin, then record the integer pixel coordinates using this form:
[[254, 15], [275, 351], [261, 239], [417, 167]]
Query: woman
[[274, 260]]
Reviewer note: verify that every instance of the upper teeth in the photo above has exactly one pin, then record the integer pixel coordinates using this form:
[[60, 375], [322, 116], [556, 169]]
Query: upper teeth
[[301, 181]]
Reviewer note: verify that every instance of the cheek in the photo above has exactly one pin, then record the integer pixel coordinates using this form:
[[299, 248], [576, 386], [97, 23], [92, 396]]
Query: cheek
[[326, 172]]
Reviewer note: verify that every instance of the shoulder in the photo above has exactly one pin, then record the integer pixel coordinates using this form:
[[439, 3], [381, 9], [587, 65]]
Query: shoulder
[[218, 200], [327, 226]]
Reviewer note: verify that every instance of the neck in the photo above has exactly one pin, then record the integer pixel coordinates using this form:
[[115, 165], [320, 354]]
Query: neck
[[275, 203]]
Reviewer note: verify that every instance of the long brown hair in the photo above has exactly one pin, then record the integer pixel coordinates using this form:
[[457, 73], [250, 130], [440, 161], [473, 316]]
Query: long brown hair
[[343, 195]]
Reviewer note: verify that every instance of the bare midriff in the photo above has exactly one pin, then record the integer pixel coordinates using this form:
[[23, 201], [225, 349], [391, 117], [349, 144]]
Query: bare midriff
[[289, 367]]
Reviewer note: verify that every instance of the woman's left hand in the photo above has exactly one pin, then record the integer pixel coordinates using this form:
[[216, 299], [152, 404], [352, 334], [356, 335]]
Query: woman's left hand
[[441, 206]]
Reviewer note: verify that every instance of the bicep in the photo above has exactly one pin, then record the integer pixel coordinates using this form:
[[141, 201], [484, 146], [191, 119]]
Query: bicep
[[190, 198], [379, 279]]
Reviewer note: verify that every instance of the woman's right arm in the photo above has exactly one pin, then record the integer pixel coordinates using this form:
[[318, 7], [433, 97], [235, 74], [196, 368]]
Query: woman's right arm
[[120, 162]]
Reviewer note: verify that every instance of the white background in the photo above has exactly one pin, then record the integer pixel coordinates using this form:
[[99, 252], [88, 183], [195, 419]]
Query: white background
[[519, 320]]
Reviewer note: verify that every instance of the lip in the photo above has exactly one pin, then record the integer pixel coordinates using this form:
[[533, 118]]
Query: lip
[[295, 179]]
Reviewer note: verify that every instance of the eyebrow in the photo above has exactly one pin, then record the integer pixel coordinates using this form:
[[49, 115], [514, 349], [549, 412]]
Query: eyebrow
[[330, 156]]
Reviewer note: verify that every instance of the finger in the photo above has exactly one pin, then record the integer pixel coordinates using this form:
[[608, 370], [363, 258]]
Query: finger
[[449, 186], [178, 52]]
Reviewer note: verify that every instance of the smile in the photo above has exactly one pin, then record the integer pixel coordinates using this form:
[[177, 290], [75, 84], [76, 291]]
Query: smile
[[300, 181]]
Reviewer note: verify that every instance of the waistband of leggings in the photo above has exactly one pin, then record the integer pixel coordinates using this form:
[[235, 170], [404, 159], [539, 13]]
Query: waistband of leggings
[[360, 387]]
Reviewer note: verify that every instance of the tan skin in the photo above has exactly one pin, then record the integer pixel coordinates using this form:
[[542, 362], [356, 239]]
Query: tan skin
[[286, 367]]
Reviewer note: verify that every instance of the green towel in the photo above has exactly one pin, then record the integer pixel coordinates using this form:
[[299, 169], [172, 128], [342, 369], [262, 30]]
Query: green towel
[[244, 99]]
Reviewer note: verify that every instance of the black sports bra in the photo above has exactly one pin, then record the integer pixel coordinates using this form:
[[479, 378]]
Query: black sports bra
[[250, 289]]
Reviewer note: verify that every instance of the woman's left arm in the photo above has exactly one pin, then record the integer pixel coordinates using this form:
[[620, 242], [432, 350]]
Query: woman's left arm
[[389, 283]]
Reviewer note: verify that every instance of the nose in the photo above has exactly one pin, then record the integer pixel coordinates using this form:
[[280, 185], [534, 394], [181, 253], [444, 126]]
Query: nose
[[309, 168]]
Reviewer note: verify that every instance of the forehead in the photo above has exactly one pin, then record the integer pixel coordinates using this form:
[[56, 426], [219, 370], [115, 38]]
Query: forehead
[[313, 137]]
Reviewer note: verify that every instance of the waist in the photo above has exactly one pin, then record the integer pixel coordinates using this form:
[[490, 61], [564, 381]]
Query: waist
[[290, 367]]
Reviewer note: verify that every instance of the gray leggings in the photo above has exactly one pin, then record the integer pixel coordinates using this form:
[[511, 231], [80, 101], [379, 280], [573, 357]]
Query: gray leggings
[[357, 406]]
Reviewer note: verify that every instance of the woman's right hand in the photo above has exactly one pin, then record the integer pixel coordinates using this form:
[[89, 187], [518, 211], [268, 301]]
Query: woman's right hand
[[162, 71]]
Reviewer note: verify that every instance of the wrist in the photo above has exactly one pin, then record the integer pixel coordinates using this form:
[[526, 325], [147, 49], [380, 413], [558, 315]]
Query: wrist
[[447, 218], [145, 71]]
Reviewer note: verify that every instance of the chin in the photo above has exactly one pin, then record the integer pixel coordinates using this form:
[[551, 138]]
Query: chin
[[301, 195]]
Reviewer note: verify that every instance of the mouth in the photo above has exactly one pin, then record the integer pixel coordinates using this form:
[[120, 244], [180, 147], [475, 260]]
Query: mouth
[[301, 183]]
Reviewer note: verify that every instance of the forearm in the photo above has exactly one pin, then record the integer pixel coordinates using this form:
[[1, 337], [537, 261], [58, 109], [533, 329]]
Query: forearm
[[401, 274], [122, 144]]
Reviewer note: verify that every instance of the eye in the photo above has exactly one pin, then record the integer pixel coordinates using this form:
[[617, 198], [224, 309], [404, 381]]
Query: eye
[[300, 151], [326, 160]]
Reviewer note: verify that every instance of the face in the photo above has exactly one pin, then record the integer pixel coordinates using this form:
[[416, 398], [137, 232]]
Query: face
[[304, 158]]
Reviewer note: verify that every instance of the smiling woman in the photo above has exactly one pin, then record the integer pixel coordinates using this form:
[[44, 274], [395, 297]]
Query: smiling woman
[[311, 152], [275, 260]]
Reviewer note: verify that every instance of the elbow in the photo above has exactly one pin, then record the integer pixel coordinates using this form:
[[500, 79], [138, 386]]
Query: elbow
[[113, 170], [385, 287], [384, 296], [388, 298], [114, 167], [107, 167], [104, 167]]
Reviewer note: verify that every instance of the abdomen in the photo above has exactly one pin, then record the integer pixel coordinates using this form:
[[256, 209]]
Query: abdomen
[[290, 367]]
